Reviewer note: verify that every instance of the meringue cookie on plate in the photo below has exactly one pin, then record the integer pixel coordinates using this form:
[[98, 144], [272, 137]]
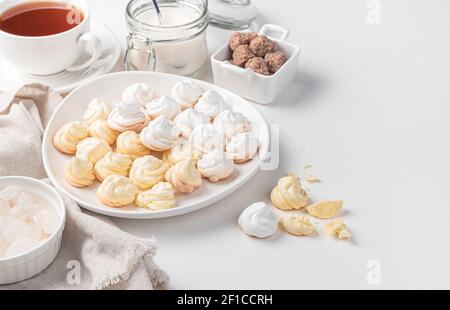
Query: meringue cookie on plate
[[243, 147], [79, 172], [100, 129], [97, 109], [184, 177], [117, 191], [128, 115], [163, 106], [147, 171], [211, 104], [112, 163], [215, 166], [67, 137], [232, 123], [259, 220], [160, 197], [128, 143], [160, 135], [93, 149], [187, 93], [289, 194], [187, 120], [139, 93], [205, 138], [181, 151]]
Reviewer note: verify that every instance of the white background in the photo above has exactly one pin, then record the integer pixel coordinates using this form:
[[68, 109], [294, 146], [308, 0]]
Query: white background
[[369, 109]]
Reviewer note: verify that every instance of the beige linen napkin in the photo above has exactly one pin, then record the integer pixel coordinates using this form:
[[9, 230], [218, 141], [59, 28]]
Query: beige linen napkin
[[94, 254]]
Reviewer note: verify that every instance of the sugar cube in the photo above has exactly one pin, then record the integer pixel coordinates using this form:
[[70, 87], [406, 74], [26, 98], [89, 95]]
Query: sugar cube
[[35, 232], [9, 193], [4, 207], [47, 220], [21, 246], [14, 230]]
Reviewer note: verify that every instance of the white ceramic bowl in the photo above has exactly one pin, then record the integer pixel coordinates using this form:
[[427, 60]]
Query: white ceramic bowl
[[110, 87], [24, 266], [250, 85]]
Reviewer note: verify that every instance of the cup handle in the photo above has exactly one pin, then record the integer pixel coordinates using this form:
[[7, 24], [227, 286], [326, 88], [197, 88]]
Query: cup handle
[[91, 43], [279, 33]]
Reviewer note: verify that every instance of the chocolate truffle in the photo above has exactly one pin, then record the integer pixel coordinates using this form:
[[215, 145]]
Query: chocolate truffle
[[261, 45], [241, 55], [259, 65], [275, 60], [240, 38]]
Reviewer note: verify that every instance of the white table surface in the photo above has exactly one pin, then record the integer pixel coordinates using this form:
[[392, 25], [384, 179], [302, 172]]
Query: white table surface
[[369, 109]]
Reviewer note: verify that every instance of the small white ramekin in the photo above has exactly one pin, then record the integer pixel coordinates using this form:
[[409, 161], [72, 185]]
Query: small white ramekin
[[24, 266], [250, 85]]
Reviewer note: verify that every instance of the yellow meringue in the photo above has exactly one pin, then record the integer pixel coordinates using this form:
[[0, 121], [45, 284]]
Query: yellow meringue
[[117, 191], [79, 172], [97, 109], [128, 143], [184, 176], [148, 171], [100, 129], [183, 150], [289, 194], [337, 228], [160, 197], [112, 163], [325, 209], [67, 137], [93, 149], [298, 225]]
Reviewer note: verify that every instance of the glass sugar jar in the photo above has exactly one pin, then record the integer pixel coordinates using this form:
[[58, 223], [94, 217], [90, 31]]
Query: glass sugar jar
[[174, 43]]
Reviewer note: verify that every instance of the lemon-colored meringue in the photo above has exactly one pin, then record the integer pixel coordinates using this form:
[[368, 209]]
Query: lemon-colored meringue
[[67, 137], [211, 104], [187, 93], [160, 135], [326, 209], [112, 163], [148, 171], [79, 172], [232, 123], [289, 194], [160, 197], [243, 147], [93, 149], [140, 93], [298, 225], [259, 220], [117, 191], [128, 143], [187, 120], [100, 129], [338, 229], [205, 138], [181, 151], [163, 106], [97, 109], [184, 177], [128, 116], [215, 166]]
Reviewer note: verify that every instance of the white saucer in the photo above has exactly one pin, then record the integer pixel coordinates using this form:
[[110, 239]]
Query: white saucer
[[65, 81]]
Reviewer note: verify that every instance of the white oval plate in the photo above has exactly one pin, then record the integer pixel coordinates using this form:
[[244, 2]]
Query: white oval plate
[[110, 87]]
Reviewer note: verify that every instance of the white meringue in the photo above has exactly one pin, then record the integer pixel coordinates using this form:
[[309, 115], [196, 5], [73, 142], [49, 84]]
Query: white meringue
[[128, 115], [211, 104], [243, 147], [187, 93], [163, 106], [259, 220], [97, 109], [187, 120], [232, 123], [138, 93], [205, 138], [92, 149], [215, 166], [160, 135]]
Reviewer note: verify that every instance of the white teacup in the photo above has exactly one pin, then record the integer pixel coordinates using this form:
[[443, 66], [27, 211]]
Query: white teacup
[[45, 55]]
